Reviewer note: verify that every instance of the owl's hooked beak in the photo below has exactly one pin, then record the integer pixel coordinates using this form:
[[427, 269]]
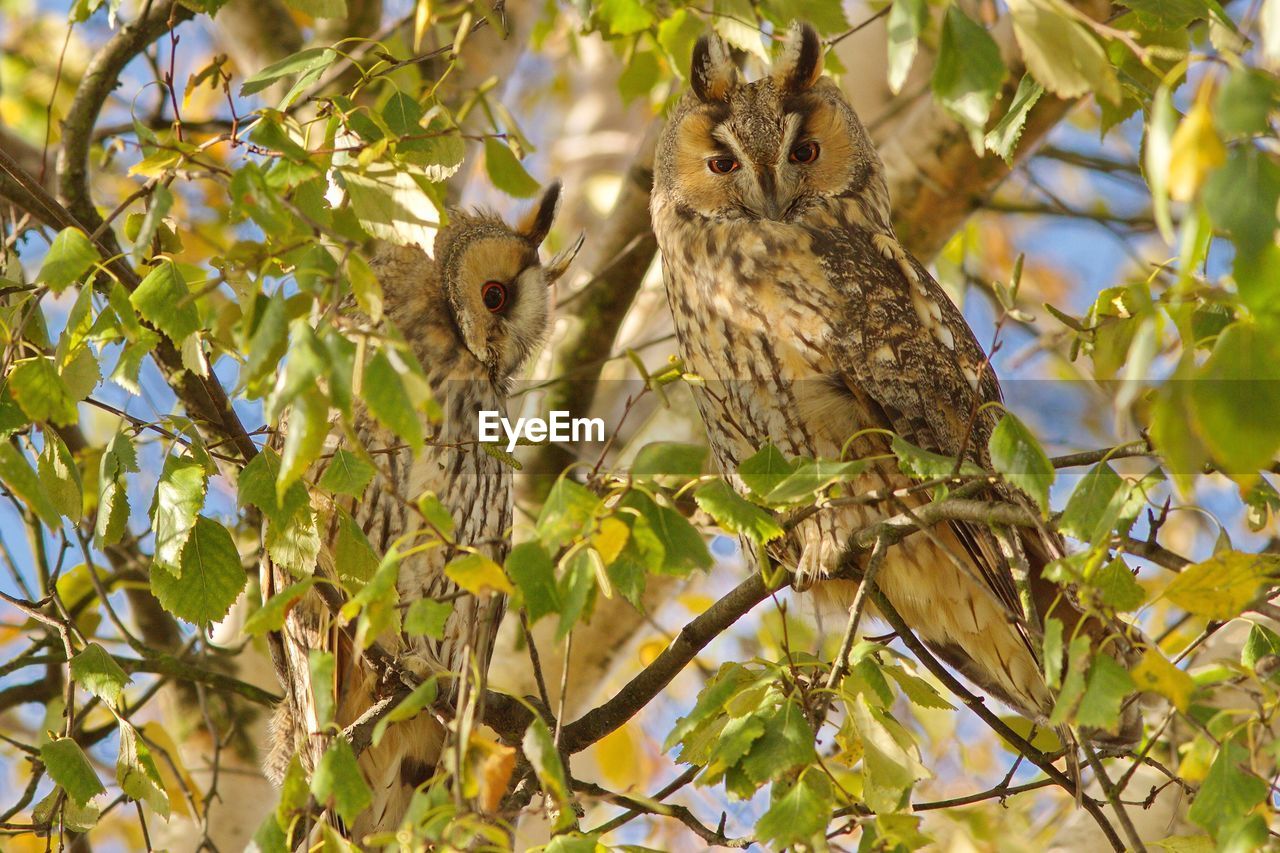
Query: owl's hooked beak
[[771, 202], [559, 263]]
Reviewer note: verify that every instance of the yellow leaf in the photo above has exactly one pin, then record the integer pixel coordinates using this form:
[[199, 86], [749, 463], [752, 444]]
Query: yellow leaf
[[696, 602], [421, 19], [1196, 149], [156, 163], [650, 649], [493, 763], [175, 784], [620, 758], [1157, 675], [610, 538], [478, 575], [1222, 586]]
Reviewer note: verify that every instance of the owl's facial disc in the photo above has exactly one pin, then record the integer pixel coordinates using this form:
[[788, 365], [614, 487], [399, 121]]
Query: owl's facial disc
[[765, 149], [501, 302]]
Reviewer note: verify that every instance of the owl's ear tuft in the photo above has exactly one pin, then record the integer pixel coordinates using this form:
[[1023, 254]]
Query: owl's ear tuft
[[536, 224], [712, 72], [800, 65]]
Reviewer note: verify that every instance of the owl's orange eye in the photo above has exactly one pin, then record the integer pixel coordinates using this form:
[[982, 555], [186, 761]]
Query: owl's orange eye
[[805, 152], [722, 165], [494, 296]]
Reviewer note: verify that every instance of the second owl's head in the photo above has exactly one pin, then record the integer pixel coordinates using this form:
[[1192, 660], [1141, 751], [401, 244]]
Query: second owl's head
[[497, 289], [765, 149]]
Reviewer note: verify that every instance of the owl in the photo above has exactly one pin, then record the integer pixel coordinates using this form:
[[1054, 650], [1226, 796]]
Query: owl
[[816, 331], [472, 316]]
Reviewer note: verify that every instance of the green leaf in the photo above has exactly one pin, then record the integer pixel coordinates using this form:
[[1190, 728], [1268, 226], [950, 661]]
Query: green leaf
[[669, 458], [70, 768], [1222, 586], [1061, 52], [764, 470], [530, 566], [271, 615], [735, 514], [137, 773], [70, 256], [389, 401], [624, 17], [575, 588], [1117, 587], [927, 465], [907, 20], [427, 618], [1168, 14], [96, 671], [917, 689], [1228, 792], [178, 498], [787, 743], [1003, 138], [1106, 687], [321, 8], [566, 513], [1245, 102], [352, 553], [1157, 155], [21, 479], [683, 546], [268, 343], [321, 667], [968, 73], [641, 74], [436, 513], [1091, 504], [304, 439], [60, 477], [1017, 455], [811, 476], [41, 392], [305, 62], [164, 300], [888, 755], [257, 487], [1073, 684], [1261, 643], [540, 750], [799, 813], [347, 474], [505, 170], [422, 696], [677, 35], [338, 783], [212, 576]]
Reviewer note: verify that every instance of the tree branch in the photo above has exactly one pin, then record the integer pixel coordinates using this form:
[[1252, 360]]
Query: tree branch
[[100, 78], [638, 692]]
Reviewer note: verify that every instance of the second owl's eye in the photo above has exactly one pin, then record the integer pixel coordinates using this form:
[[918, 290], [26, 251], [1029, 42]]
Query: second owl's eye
[[805, 152], [494, 296], [722, 165]]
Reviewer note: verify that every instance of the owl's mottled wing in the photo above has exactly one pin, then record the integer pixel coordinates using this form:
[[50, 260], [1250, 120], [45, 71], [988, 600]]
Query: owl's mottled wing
[[908, 348]]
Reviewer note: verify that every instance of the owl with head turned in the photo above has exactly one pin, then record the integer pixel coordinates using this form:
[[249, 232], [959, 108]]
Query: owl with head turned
[[814, 330], [471, 316]]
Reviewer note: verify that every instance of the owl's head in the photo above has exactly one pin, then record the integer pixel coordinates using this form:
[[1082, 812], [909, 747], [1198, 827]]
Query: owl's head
[[766, 149], [496, 288]]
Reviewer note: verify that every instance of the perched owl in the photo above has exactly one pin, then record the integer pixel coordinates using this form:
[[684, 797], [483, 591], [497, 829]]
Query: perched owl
[[811, 324], [472, 316]]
